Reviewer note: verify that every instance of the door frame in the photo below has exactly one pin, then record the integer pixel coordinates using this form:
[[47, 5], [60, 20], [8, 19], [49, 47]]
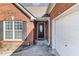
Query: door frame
[[37, 29]]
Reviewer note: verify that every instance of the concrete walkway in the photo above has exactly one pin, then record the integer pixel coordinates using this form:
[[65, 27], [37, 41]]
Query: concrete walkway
[[40, 49]]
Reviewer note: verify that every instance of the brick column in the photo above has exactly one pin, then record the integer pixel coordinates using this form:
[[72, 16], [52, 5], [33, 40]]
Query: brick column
[[50, 32]]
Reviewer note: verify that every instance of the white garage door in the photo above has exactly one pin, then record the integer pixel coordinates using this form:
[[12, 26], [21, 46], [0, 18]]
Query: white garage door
[[66, 34]]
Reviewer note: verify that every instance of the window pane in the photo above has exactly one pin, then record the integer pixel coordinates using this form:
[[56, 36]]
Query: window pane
[[18, 34], [8, 25], [9, 34], [18, 25], [41, 28], [8, 29]]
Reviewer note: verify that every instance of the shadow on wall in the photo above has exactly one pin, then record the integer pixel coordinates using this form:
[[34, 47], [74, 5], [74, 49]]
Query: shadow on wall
[[28, 42]]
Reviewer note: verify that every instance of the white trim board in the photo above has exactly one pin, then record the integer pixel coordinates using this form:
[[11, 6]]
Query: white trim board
[[3, 30]]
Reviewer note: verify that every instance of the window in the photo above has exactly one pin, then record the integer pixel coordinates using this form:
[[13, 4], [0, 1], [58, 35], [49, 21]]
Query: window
[[13, 29], [41, 28], [9, 29], [18, 29]]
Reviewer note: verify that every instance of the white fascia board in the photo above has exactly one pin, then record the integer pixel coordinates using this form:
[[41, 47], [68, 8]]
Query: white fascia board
[[26, 12]]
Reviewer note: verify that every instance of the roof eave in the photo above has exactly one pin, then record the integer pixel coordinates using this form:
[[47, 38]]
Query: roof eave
[[25, 11], [50, 8]]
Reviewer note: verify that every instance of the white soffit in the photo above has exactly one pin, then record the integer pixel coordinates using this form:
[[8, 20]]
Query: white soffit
[[37, 9]]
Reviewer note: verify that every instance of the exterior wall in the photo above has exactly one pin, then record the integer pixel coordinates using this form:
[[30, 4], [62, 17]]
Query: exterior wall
[[57, 10], [46, 30], [35, 31], [30, 32], [8, 10]]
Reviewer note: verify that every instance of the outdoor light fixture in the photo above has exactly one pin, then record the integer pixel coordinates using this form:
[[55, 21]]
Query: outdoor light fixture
[[12, 17]]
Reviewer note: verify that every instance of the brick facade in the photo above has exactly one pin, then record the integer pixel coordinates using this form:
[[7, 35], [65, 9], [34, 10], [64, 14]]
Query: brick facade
[[8, 10]]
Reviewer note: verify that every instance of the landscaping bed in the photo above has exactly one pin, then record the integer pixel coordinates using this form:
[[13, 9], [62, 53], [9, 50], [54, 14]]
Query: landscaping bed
[[7, 48]]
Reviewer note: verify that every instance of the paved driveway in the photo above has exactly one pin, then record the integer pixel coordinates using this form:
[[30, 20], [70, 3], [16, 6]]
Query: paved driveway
[[40, 49]]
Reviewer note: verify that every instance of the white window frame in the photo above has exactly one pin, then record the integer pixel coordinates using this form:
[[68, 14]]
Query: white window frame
[[13, 31], [4, 30]]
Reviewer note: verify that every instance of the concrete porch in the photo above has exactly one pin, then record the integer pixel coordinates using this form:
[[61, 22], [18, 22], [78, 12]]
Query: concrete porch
[[39, 49]]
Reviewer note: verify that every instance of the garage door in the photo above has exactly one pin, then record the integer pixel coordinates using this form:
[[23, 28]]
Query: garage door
[[65, 33]]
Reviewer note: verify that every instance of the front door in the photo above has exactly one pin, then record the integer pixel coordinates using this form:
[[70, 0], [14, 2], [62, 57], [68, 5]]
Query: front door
[[40, 30]]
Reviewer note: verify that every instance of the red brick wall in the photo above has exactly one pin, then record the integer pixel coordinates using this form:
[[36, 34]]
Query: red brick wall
[[57, 10], [7, 10], [46, 30], [50, 32], [35, 31]]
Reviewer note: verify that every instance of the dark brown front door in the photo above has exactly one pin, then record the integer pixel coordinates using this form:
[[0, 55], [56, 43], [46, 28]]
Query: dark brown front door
[[40, 30]]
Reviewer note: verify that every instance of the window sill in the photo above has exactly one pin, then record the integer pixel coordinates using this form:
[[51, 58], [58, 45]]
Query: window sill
[[13, 40]]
